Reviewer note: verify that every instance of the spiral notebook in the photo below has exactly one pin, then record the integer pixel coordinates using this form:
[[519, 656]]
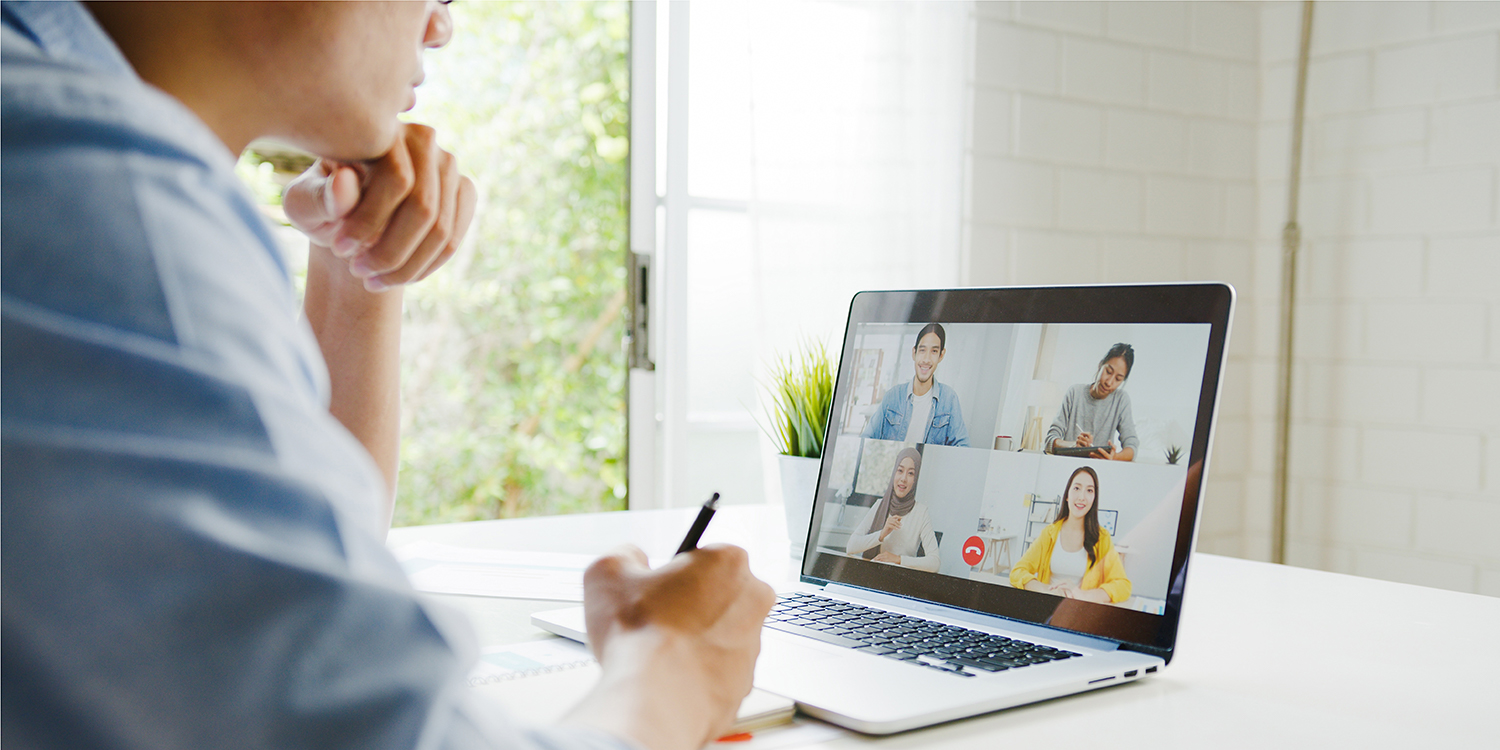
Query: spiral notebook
[[543, 679]]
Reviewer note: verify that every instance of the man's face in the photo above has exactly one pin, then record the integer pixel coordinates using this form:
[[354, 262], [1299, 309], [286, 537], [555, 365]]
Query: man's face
[[342, 71], [926, 356]]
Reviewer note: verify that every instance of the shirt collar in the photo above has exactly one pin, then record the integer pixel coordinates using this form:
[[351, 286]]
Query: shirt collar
[[67, 31], [911, 389]]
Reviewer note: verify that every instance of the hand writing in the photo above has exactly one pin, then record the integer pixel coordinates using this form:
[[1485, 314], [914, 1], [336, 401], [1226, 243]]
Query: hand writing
[[677, 644]]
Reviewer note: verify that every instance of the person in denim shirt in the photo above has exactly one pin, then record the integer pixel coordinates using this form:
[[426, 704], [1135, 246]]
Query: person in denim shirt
[[194, 541], [906, 408]]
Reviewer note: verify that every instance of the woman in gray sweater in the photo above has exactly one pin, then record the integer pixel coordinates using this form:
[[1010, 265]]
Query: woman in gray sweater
[[1092, 414]]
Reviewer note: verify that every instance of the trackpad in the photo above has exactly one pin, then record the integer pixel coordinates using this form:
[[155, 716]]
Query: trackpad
[[798, 670], [781, 652]]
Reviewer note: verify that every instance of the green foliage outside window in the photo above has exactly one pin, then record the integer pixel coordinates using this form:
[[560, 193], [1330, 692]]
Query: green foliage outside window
[[514, 384], [513, 379]]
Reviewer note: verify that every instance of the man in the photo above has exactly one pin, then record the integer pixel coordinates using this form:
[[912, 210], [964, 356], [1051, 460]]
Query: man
[[923, 410], [197, 483]]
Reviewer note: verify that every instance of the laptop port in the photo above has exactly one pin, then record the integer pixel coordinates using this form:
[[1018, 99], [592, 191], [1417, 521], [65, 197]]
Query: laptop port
[[1149, 670], [1131, 673]]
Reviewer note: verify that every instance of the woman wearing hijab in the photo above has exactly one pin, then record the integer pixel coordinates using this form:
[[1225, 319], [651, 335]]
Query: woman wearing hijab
[[898, 527]]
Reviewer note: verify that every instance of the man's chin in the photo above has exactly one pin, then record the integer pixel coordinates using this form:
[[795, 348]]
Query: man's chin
[[352, 144]]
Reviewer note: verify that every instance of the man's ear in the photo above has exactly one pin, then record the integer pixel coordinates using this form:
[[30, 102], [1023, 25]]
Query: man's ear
[[943, 352]]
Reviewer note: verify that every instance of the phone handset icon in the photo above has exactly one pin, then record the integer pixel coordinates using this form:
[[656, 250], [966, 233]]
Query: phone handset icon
[[973, 550]]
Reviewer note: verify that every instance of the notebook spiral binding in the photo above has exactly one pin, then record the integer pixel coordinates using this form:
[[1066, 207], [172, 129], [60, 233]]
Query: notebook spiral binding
[[480, 680]]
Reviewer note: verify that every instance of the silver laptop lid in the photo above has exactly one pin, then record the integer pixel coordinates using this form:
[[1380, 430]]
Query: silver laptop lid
[[1036, 453]]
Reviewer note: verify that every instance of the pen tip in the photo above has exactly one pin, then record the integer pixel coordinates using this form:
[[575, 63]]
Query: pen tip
[[713, 502]]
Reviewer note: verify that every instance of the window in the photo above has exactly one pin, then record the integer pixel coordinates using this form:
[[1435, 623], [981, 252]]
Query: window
[[514, 376], [807, 150]]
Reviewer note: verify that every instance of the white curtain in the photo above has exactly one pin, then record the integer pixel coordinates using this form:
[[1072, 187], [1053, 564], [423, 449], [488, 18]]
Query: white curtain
[[826, 144]]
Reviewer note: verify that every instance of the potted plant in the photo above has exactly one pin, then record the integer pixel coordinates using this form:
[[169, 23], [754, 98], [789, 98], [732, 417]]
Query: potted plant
[[1174, 454], [800, 391]]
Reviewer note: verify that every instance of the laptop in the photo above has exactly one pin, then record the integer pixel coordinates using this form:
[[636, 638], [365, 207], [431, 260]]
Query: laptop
[[944, 578]]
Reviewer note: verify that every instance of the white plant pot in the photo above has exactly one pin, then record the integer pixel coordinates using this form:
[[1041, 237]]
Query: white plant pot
[[799, 482]]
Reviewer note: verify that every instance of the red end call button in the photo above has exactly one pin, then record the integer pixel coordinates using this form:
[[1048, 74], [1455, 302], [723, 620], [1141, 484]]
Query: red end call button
[[973, 550]]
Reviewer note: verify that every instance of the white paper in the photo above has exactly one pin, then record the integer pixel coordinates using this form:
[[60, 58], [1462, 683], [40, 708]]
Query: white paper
[[445, 569], [528, 659]]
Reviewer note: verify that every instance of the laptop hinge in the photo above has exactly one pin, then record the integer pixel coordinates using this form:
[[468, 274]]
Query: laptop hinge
[[993, 621]]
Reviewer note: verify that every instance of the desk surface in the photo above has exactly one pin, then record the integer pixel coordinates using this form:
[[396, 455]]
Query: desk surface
[[1268, 655]]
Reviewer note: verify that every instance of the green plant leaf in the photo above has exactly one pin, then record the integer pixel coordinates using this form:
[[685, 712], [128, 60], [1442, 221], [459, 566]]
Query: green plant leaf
[[799, 395]]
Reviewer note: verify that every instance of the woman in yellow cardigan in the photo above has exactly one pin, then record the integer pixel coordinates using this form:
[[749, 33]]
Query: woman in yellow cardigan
[[1074, 556]]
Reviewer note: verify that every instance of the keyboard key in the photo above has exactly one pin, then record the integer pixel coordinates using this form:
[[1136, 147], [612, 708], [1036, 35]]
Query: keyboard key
[[949, 648], [836, 640], [975, 663]]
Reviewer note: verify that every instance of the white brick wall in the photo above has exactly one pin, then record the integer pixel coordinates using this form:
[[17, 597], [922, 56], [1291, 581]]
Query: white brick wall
[[1394, 459], [1117, 142], [1150, 141]]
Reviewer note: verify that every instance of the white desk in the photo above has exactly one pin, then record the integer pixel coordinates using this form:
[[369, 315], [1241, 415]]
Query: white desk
[[1268, 656]]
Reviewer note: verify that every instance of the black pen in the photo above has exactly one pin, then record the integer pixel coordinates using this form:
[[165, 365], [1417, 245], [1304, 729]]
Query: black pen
[[705, 514]]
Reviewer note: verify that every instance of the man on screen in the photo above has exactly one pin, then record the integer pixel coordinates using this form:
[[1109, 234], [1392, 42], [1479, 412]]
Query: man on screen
[[922, 410]]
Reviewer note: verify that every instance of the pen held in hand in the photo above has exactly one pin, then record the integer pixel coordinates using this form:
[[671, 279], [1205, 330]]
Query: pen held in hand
[[706, 513]]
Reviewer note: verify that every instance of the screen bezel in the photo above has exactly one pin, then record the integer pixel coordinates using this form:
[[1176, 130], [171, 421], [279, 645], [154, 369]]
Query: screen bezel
[[1210, 303]]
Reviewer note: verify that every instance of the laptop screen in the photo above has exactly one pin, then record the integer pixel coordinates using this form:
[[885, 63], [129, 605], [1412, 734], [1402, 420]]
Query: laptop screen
[[1023, 452]]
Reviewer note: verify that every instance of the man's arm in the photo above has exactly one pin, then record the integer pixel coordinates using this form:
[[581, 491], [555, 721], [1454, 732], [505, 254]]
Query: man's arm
[[375, 227], [359, 333]]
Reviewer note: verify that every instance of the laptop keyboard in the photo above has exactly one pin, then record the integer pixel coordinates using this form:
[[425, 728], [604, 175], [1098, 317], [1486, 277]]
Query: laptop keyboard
[[911, 639]]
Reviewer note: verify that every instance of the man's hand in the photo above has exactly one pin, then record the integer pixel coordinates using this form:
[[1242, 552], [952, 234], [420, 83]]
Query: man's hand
[[888, 557], [678, 644], [392, 220]]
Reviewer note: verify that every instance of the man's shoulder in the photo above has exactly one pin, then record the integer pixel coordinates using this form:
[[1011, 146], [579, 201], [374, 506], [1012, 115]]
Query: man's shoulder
[[946, 392], [108, 184], [48, 100], [895, 392]]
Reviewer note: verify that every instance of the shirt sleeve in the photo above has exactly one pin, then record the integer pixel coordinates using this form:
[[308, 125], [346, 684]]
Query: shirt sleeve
[[1061, 428], [960, 432], [1110, 570], [1126, 426], [930, 558], [876, 428], [860, 542], [177, 570], [1033, 565], [196, 593]]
